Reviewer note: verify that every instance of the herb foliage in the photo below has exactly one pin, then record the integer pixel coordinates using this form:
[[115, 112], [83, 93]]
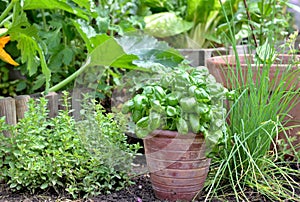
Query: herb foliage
[[182, 99], [44, 153]]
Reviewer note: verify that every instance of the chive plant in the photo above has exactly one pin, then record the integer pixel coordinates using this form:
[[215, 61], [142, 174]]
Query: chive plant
[[255, 119]]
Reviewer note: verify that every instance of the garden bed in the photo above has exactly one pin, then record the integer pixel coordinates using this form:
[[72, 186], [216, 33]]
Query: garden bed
[[141, 191]]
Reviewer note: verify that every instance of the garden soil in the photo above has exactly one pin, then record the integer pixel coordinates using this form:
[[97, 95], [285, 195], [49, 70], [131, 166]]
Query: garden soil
[[140, 192]]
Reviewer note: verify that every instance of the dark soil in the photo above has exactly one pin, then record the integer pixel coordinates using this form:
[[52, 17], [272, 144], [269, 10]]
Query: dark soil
[[140, 192]]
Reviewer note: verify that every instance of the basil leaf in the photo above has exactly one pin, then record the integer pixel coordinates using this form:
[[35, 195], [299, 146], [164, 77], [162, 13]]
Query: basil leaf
[[188, 104], [154, 120], [159, 93], [182, 126], [201, 95], [143, 122], [148, 90], [171, 111], [141, 133], [136, 115], [192, 90], [127, 106], [140, 101], [172, 100], [194, 122], [155, 104], [166, 81], [202, 108]]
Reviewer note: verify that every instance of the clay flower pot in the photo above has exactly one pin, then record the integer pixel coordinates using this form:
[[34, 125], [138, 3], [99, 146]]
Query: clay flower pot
[[223, 68], [177, 164]]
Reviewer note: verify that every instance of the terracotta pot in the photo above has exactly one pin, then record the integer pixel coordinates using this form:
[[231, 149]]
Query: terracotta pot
[[198, 57], [177, 164], [223, 67]]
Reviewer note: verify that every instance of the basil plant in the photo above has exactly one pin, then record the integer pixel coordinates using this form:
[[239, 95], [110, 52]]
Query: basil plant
[[184, 99]]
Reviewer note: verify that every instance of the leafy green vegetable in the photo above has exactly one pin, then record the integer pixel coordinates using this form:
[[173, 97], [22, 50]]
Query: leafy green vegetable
[[166, 24]]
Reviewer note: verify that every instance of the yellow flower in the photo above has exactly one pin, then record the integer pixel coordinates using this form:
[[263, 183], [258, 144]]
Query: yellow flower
[[3, 54]]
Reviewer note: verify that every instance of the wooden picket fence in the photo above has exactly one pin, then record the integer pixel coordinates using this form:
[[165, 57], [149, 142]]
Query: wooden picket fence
[[13, 108]]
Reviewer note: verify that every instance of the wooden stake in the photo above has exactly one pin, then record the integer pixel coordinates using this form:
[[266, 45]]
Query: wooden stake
[[8, 109], [76, 103], [52, 98], [21, 105]]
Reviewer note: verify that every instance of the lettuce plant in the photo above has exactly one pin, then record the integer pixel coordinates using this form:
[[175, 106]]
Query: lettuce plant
[[193, 25]]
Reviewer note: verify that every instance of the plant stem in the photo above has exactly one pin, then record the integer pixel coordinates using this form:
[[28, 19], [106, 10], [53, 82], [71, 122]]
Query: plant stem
[[251, 26], [69, 79], [44, 20], [7, 10]]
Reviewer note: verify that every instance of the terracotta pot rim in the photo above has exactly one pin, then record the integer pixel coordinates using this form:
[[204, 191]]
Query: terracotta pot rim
[[172, 134], [230, 59]]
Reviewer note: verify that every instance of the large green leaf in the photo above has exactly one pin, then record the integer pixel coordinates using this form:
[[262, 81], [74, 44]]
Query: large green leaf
[[150, 51], [110, 53], [166, 24], [199, 11], [27, 38], [56, 4], [87, 32]]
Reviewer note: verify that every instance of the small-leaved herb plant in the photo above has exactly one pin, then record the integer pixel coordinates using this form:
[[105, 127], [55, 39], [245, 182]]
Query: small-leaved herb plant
[[184, 99], [48, 153]]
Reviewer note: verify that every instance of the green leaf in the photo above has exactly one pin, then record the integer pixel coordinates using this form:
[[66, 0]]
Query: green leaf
[[199, 11], [201, 95], [171, 100], [149, 51], [54, 4], [159, 93], [266, 53], [212, 139], [103, 24], [44, 186], [137, 115], [27, 38], [21, 86], [140, 101], [293, 6], [202, 108], [154, 120], [148, 90], [188, 104], [194, 122], [39, 82], [182, 126], [110, 53], [63, 55], [166, 24], [143, 122], [127, 106], [156, 106], [171, 111], [67, 55], [87, 32], [141, 133]]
